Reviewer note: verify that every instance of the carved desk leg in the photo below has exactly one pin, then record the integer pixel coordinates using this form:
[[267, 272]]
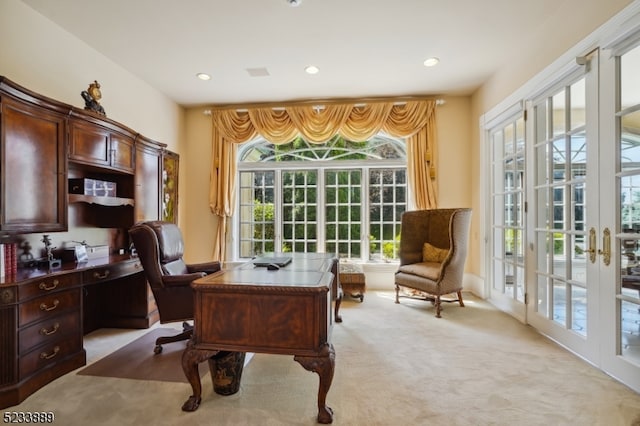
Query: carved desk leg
[[324, 365], [191, 357]]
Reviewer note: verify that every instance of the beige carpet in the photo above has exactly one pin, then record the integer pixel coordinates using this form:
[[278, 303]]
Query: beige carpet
[[395, 365]]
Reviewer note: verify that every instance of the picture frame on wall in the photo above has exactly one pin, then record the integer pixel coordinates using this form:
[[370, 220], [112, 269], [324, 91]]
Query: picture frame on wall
[[170, 162]]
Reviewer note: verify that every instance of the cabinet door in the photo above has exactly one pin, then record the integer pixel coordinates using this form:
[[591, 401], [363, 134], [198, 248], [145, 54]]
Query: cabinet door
[[33, 168], [89, 144], [122, 153], [147, 182]]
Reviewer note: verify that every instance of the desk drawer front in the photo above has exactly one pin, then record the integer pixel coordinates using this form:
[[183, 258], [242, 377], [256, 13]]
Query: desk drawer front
[[110, 272], [262, 323], [48, 355], [47, 285], [49, 331], [49, 306]]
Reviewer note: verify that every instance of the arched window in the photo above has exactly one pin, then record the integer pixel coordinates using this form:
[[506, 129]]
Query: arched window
[[343, 197]]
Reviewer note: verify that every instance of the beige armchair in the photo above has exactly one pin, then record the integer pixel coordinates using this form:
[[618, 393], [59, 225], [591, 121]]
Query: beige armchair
[[433, 250]]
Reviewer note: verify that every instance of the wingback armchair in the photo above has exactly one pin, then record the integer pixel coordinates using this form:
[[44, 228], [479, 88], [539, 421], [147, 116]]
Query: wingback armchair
[[433, 250], [160, 248]]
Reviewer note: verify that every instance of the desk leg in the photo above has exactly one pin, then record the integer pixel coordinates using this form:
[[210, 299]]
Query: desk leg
[[191, 357], [324, 365]]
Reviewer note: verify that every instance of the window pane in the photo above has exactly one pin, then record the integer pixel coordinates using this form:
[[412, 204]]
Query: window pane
[[386, 208], [256, 213], [299, 203], [299, 190], [347, 184]]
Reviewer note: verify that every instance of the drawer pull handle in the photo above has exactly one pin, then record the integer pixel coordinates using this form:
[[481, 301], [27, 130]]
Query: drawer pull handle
[[43, 285], [44, 307], [100, 276], [53, 329], [44, 355]]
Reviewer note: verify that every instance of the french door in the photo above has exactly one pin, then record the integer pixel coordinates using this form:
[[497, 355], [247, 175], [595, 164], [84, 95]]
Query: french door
[[565, 231], [620, 286], [585, 273], [566, 268], [507, 140]]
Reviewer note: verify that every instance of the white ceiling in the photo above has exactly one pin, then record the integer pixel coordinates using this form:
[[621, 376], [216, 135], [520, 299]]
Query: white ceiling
[[364, 48]]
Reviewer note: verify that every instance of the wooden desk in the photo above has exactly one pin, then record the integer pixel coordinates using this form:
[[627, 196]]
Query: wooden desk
[[249, 309]]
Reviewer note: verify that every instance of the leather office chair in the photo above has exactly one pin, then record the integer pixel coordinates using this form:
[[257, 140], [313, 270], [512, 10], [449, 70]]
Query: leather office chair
[[160, 247], [435, 269]]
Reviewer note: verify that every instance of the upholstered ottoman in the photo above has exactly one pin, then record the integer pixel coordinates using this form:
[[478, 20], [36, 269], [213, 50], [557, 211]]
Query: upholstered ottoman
[[352, 280]]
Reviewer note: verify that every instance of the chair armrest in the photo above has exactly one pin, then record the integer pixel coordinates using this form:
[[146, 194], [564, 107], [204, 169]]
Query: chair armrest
[[207, 267], [181, 280]]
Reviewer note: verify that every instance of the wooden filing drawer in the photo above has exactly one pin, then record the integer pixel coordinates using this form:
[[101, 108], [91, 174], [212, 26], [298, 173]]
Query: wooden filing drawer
[[49, 331], [110, 272], [48, 306], [48, 355], [47, 285]]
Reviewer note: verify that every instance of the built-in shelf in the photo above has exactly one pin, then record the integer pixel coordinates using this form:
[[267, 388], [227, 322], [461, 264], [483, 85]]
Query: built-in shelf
[[103, 201]]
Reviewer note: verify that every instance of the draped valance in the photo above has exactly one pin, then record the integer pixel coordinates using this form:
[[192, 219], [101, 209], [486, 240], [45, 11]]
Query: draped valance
[[412, 120]]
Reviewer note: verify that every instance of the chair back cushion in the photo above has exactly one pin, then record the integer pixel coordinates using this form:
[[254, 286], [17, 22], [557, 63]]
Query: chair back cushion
[[160, 246], [421, 226], [171, 247]]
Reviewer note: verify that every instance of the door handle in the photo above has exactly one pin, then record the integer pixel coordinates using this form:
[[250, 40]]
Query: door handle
[[592, 245], [606, 247]]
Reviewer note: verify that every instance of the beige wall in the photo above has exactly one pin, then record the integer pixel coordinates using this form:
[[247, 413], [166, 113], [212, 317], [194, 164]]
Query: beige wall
[[201, 225]]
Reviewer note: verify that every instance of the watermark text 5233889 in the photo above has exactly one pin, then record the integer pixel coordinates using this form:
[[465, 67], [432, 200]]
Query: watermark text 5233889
[[28, 417]]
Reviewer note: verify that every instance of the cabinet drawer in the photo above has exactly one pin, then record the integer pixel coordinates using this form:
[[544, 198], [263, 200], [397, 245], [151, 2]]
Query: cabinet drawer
[[49, 331], [47, 285], [48, 306], [48, 355], [110, 272]]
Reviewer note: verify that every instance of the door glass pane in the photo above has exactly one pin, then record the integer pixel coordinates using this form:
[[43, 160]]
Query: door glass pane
[[577, 104], [559, 113], [561, 206], [578, 158], [630, 140], [560, 302], [629, 209], [630, 203], [508, 185], [579, 309], [543, 297], [629, 83], [630, 329]]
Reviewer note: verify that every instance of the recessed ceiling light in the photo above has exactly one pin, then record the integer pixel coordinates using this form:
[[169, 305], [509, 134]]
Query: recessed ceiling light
[[312, 69], [203, 76], [430, 62]]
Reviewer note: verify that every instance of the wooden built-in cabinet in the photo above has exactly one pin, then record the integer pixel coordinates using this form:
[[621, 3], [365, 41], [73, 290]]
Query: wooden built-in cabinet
[[45, 313], [148, 181], [32, 162], [96, 145]]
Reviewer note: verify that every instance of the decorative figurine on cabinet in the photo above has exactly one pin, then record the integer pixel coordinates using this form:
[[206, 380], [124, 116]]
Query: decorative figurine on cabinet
[[92, 97], [51, 262]]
